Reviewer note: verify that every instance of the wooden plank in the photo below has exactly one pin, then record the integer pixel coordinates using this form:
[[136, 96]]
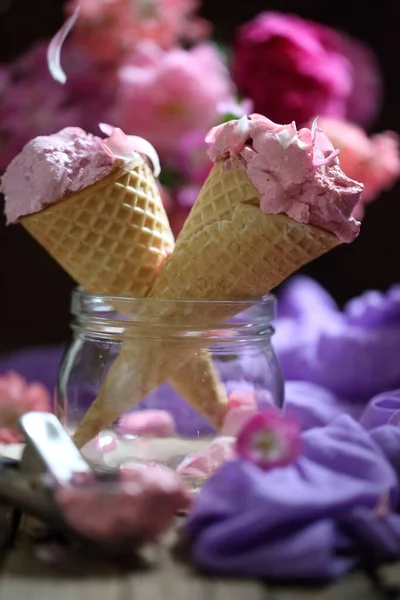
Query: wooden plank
[[25, 577], [175, 580], [354, 586]]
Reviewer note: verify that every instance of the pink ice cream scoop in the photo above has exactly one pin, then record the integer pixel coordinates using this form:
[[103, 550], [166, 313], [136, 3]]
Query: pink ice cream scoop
[[296, 172], [138, 507], [119, 508], [50, 168]]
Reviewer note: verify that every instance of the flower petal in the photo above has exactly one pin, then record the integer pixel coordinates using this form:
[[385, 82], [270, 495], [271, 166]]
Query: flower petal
[[144, 147], [286, 135], [319, 158], [54, 48], [239, 135], [127, 147], [322, 141], [314, 128], [106, 129]]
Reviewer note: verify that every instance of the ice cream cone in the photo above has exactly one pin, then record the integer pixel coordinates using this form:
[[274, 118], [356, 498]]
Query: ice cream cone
[[257, 251], [112, 238]]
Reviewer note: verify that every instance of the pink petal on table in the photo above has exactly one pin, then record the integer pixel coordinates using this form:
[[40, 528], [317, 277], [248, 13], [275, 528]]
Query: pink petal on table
[[54, 48], [207, 462]]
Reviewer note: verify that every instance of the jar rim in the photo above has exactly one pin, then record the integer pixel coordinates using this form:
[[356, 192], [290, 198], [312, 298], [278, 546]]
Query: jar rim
[[86, 301]]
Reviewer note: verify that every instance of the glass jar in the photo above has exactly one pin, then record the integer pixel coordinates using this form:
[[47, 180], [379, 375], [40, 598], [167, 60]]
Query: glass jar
[[163, 427]]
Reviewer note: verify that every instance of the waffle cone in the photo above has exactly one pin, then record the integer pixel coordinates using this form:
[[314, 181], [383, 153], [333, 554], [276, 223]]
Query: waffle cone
[[112, 238], [227, 250]]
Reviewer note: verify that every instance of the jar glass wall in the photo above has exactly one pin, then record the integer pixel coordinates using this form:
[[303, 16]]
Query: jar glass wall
[[163, 427]]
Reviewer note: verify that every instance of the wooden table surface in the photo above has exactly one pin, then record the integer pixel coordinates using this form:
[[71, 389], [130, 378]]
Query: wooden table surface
[[160, 574]]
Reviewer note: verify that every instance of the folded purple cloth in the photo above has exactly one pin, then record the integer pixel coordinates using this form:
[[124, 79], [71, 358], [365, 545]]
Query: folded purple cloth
[[315, 406], [354, 352], [382, 409], [299, 522]]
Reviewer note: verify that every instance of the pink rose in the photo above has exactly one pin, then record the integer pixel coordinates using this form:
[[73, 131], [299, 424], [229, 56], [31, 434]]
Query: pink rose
[[192, 157], [16, 398], [374, 161], [294, 69], [163, 96], [32, 103], [108, 30]]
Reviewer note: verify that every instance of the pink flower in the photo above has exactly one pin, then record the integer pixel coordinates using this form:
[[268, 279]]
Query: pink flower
[[32, 103], [109, 29], [374, 161], [293, 69], [269, 439], [16, 398], [165, 95], [192, 158], [185, 197]]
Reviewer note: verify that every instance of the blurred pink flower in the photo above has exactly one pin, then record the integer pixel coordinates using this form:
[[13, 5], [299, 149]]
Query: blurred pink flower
[[293, 69], [269, 439], [184, 198], [16, 398], [177, 219], [166, 197], [165, 95], [32, 103], [111, 28], [192, 157], [236, 109], [374, 161]]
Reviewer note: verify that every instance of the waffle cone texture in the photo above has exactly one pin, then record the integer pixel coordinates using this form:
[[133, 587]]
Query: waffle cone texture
[[113, 238]]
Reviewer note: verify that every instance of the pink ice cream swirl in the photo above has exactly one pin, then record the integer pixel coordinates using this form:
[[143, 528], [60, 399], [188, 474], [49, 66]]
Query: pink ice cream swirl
[[296, 172], [51, 167]]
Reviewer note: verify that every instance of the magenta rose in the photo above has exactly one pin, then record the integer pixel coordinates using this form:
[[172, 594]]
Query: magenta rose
[[294, 69]]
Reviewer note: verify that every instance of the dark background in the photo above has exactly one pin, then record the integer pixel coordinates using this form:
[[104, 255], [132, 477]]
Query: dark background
[[34, 291]]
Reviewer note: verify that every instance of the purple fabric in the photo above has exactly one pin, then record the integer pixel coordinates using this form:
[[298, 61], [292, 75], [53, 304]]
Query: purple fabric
[[294, 523], [315, 406], [303, 521], [382, 409], [353, 352]]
